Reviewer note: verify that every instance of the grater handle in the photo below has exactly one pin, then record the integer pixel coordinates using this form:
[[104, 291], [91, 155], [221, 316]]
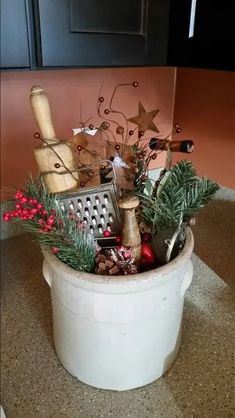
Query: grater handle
[[101, 162], [43, 174]]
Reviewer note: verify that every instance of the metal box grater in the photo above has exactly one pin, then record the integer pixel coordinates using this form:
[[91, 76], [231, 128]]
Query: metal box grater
[[95, 206]]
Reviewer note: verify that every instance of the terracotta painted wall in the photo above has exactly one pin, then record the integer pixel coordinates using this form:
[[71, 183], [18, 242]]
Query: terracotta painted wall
[[66, 90], [205, 106]]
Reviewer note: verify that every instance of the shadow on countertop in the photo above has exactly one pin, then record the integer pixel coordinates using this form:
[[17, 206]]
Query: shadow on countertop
[[214, 235]]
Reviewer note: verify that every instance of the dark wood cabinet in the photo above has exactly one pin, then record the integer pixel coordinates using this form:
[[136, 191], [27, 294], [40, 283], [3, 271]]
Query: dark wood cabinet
[[16, 34], [103, 32], [106, 33], [202, 34]]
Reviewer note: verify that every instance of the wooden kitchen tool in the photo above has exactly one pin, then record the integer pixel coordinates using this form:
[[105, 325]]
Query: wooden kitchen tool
[[53, 156], [185, 146], [130, 234]]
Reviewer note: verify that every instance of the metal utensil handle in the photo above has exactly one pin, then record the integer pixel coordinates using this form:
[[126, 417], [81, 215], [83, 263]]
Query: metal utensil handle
[[171, 242]]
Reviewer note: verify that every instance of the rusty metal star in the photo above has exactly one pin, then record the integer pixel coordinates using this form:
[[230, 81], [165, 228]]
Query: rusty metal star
[[144, 119]]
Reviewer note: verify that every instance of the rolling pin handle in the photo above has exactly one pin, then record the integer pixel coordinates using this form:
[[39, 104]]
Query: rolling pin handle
[[42, 112]]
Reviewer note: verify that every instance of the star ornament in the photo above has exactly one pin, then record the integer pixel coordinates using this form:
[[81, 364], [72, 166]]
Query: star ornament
[[144, 119]]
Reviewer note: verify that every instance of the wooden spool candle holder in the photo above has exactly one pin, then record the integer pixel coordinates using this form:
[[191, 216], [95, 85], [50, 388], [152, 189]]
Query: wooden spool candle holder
[[130, 234]]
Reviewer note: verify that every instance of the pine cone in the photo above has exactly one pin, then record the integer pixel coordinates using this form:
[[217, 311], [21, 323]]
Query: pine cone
[[115, 261], [143, 227]]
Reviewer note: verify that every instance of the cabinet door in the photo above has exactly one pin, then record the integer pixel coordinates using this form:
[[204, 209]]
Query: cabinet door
[[205, 36], [14, 34], [103, 32]]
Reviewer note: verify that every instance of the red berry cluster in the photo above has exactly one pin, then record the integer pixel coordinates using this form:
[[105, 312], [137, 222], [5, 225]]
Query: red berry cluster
[[28, 208]]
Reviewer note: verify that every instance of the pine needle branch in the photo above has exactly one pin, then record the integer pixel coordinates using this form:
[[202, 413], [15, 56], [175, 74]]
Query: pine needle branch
[[181, 196]]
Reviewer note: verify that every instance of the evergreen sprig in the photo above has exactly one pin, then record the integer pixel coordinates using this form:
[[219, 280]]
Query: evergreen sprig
[[75, 246], [181, 194]]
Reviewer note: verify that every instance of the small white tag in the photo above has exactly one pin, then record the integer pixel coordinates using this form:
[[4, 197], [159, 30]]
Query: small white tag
[[85, 130], [118, 162]]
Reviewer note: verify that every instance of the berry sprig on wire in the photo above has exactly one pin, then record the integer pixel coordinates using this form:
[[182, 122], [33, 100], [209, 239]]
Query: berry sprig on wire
[[61, 231], [25, 208], [143, 150], [56, 165], [122, 131]]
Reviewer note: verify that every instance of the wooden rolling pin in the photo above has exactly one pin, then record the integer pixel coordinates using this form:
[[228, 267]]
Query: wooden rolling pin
[[130, 233], [53, 155]]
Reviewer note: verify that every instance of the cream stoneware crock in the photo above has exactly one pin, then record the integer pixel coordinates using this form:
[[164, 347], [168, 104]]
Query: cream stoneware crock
[[118, 332]]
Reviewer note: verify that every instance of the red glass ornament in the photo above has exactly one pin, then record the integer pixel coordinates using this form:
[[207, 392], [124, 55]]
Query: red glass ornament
[[37, 135], [140, 134], [131, 132], [82, 184], [135, 84], [57, 165], [91, 126], [39, 206], [101, 99], [154, 156], [147, 254], [106, 233], [79, 147], [106, 111], [117, 147]]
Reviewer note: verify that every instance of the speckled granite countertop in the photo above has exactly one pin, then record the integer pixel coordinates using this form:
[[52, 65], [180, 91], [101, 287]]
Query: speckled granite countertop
[[34, 384]]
